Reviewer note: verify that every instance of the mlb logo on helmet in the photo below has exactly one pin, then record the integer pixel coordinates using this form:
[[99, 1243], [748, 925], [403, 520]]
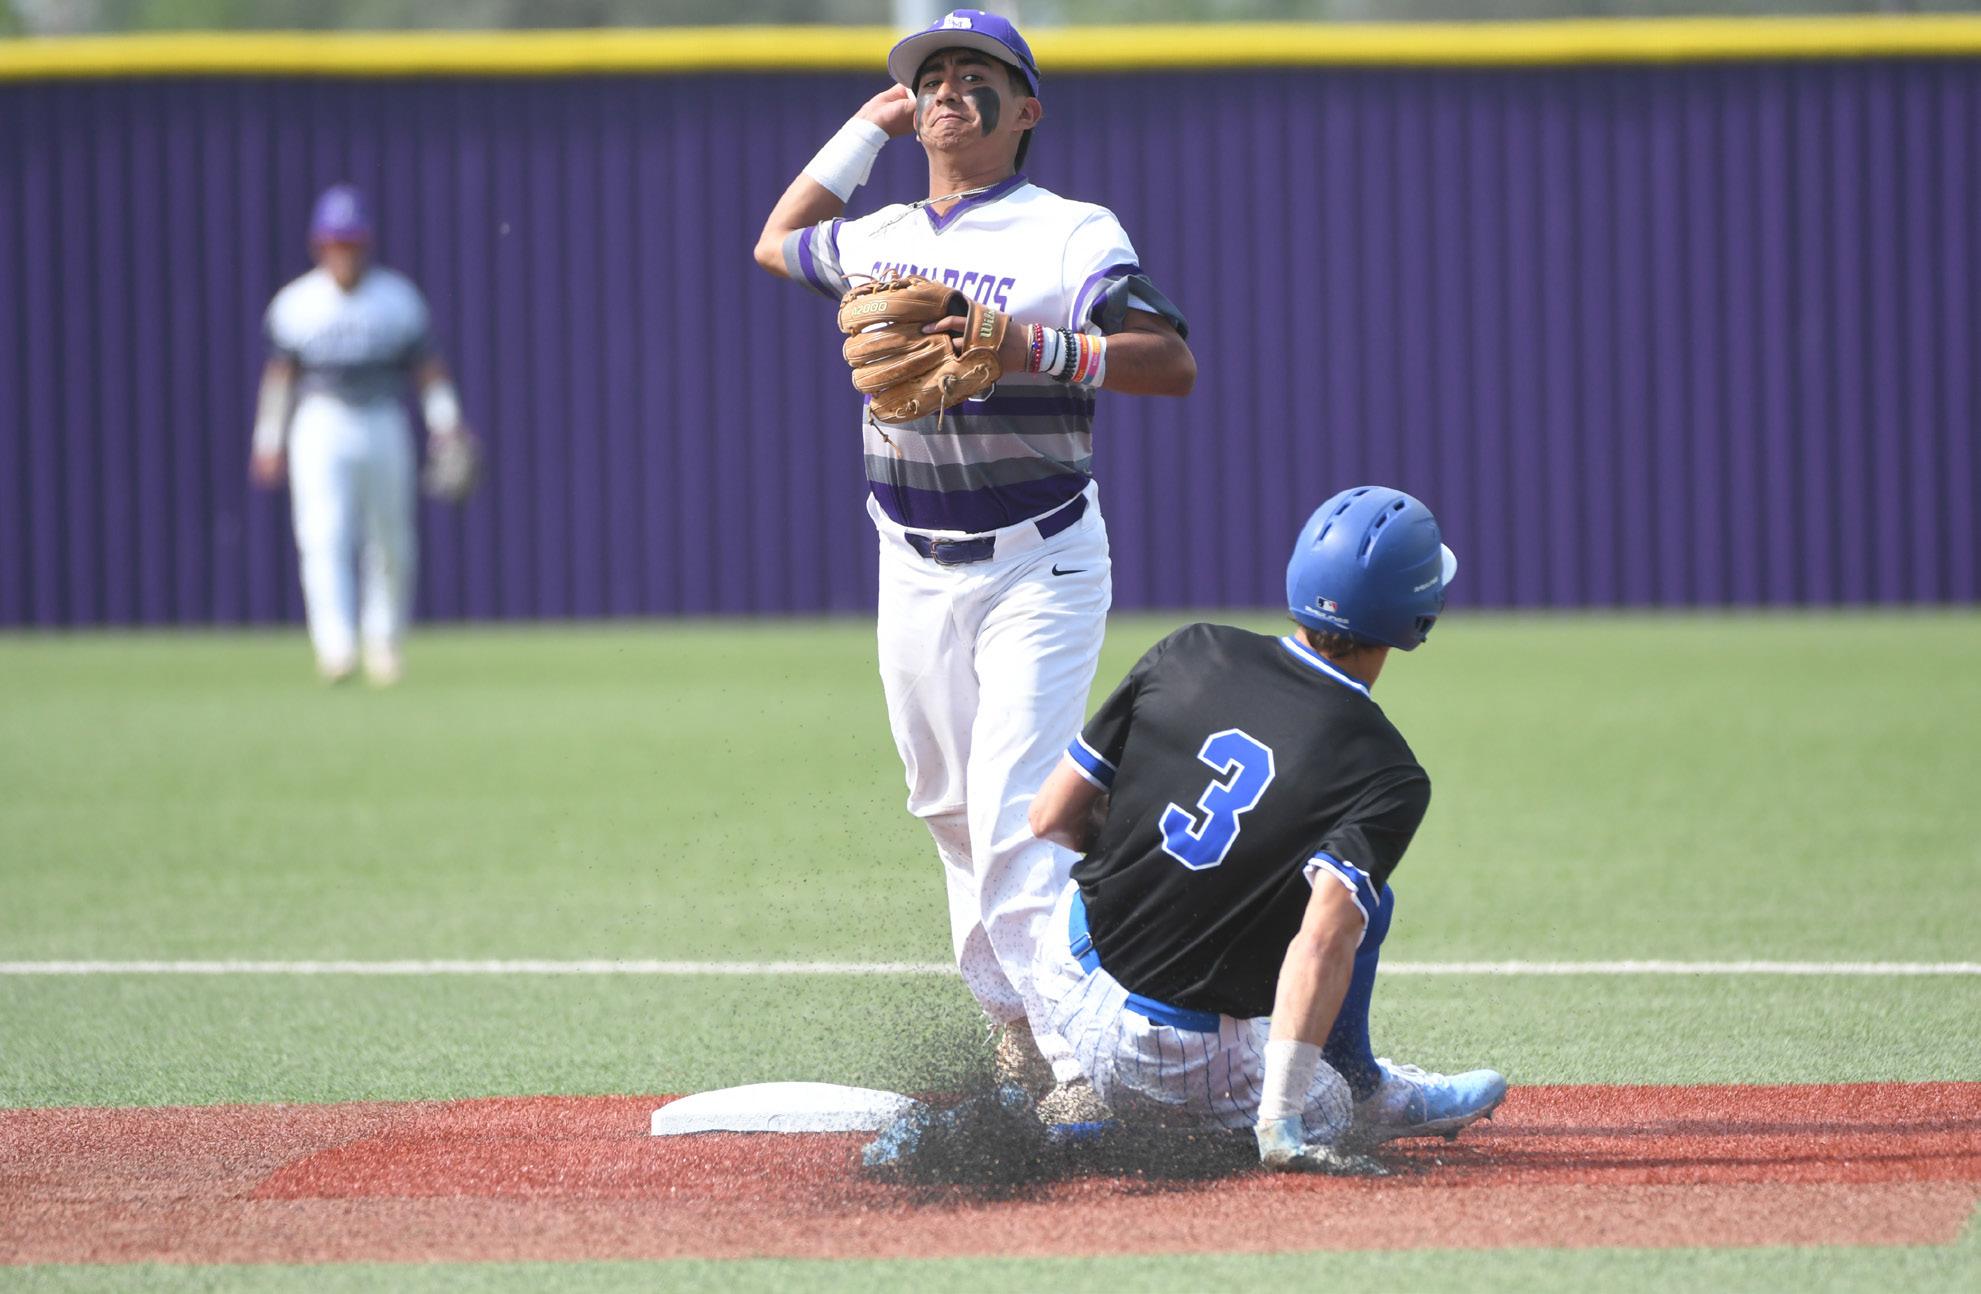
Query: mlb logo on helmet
[[1380, 553]]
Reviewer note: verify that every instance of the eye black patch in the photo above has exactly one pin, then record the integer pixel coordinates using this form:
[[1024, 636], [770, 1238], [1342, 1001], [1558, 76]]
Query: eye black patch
[[987, 105]]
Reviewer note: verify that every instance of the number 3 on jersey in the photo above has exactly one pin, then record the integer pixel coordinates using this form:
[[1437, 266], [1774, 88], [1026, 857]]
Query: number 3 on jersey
[[1245, 769]]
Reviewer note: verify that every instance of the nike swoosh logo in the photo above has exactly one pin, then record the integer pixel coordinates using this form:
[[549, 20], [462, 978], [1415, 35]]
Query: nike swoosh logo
[[1076, 570]]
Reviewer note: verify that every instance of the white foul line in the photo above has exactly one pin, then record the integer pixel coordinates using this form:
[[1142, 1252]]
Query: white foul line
[[527, 967], [506, 967], [1681, 968]]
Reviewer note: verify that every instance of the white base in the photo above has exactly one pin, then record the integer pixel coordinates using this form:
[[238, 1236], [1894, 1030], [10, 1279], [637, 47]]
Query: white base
[[782, 1107]]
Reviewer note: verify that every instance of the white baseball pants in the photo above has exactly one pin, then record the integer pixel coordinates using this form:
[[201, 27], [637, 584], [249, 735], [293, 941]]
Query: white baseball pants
[[351, 488], [1146, 1070], [986, 667]]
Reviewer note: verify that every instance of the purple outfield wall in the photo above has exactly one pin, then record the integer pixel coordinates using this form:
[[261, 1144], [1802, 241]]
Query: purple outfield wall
[[1654, 335]]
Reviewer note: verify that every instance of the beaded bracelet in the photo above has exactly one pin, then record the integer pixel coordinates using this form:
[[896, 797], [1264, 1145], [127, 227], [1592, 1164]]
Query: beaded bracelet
[[1047, 350], [1072, 357]]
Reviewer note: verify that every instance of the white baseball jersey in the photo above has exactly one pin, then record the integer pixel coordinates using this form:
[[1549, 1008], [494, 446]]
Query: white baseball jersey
[[359, 346], [1027, 447], [351, 458], [986, 657]]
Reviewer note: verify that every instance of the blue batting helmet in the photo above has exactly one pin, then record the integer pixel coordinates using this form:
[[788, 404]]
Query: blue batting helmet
[[1370, 563]]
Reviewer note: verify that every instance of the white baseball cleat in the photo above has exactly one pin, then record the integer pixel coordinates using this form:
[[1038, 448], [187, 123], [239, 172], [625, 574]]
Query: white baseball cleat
[[1017, 1059], [1284, 1148], [383, 667], [335, 669], [1411, 1102], [1073, 1111]]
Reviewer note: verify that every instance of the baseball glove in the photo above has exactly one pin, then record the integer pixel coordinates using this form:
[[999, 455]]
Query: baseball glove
[[911, 374], [453, 466]]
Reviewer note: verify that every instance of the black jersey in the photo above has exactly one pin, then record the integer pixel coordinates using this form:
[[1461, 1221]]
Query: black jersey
[[1231, 759]]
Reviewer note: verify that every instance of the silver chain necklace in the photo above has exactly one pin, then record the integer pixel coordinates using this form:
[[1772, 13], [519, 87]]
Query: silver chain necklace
[[913, 207]]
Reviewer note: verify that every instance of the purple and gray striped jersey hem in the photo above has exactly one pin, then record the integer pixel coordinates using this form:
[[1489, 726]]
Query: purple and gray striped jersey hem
[[1033, 452], [976, 511]]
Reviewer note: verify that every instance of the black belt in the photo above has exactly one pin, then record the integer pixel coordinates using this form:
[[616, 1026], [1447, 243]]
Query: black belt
[[962, 552]]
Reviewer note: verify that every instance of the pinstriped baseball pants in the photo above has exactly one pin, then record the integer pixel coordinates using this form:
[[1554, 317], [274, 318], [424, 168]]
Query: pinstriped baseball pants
[[1154, 1072]]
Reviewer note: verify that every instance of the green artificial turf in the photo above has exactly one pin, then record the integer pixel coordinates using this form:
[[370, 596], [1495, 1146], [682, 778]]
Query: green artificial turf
[[1605, 787], [149, 1040], [1531, 1271], [1692, 786], [692, 792], [1720, 787]]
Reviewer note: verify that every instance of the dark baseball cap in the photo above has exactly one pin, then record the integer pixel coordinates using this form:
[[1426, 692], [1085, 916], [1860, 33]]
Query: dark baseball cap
[[963, 29]]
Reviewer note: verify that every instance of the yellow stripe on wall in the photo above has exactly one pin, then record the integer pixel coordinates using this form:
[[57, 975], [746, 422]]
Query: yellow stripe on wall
[[457, 53], [1599, 40], [1064, 49]]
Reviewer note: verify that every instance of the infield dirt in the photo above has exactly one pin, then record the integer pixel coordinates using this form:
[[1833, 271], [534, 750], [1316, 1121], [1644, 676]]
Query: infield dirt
[[567, 1178]]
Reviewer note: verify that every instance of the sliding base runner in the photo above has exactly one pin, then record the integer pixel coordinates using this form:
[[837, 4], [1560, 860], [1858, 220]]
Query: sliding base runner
[[1242, 800]]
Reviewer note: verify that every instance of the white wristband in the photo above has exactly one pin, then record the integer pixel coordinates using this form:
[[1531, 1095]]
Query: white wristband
[[847, 159], [1052, 351], [1290, 1070], [441, 407]]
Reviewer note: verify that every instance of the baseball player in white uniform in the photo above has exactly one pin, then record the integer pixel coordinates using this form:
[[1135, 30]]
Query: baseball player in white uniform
[[994, 568], [344, 339]]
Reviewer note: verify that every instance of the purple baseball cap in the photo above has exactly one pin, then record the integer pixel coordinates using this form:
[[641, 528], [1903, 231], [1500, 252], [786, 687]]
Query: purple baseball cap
[[965, 29], [340, 216]]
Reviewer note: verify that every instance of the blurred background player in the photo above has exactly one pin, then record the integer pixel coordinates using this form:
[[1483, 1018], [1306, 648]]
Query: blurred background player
[[1242, 800], [994, 573], [344, 339]]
